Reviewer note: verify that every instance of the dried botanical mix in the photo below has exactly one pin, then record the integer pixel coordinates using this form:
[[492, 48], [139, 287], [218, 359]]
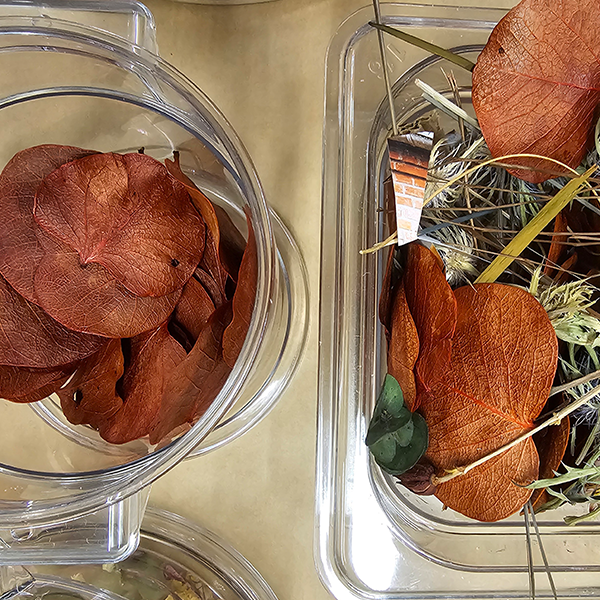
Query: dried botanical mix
[[492, 398]]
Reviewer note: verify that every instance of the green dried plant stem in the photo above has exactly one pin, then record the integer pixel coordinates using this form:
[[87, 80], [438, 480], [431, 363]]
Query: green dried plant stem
[[459, 61], [590, 440], [532, 229], [555, 419], [581, 518], [589, 474]]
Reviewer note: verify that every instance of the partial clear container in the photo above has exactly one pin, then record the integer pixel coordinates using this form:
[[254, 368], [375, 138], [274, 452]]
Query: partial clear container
[[374, 538], [65, 494], [175, 559]]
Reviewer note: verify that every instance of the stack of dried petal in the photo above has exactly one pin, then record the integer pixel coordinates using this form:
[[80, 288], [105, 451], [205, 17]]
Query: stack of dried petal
[[115, 269], [485, 362]]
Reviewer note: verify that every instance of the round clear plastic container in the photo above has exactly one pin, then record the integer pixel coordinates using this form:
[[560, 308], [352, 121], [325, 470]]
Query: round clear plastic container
[[175, 559], [72, 83]]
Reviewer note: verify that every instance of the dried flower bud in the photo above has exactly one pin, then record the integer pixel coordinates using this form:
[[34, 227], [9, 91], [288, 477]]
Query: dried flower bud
[[418, 479]]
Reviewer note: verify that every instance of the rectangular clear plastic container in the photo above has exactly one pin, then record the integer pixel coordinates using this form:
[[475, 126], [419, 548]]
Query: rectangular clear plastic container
[[375, 539]]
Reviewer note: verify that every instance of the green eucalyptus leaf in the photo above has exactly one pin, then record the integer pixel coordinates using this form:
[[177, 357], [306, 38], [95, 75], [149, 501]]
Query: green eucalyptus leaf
[[404, 435], [390, 413], [399, 451]]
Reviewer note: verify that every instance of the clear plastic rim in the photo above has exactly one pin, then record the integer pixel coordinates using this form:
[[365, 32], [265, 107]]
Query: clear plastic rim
[[169, 530], [294, 281], [125, 480], [210, 548]]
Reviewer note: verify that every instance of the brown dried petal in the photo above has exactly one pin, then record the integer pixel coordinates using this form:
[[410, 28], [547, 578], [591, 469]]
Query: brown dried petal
[[196, 381], [243, 301], [154, 357], [91, 396], [126, 213], [31, 338], [20, 250], [89, 299], [20, 384]]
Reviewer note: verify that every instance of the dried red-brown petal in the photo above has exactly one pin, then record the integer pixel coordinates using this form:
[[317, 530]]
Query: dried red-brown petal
[[87, 298], [211, 264], [551, 444], [504, 357], [126, 213], [196, 381], [433, 308], [217, 296], [20, 384], [243, 301], [403, 348], [20, 250], [556, 246], [31, 338], [91, 396], [194, 308], [154, 357], [536, 85], [224, 235]]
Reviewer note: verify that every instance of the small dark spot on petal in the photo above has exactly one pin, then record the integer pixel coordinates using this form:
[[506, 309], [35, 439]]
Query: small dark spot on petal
[[78, 397], [501, 50], [174, 262]]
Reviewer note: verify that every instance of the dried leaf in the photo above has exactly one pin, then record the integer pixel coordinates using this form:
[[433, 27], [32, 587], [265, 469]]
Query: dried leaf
[[217, 295], [504, 358], [564, 273], [403, 348], [536, 85], [154, 357], [225, 235], [211, 264], [20, 250], [243, 301], [126, 213], [91, 396], [31, 338], [20, 384], [196, 381], [193, 309], [87, 298], [433, 308], [551, 444], [232, 244]]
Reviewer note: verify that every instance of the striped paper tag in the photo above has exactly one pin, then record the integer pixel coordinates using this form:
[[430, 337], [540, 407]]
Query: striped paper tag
[[409, 159]]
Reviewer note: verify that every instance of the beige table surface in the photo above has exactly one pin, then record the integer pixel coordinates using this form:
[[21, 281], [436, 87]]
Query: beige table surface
[[263, 65]]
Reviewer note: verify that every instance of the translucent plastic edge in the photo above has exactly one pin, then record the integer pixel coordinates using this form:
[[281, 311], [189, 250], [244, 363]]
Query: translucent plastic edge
[[210, 548], [142, 35]]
